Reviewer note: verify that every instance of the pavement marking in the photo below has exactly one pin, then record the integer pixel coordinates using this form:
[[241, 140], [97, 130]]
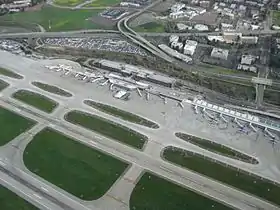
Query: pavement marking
[[45, 189], [2, 163], [37, 196], [24, 193]]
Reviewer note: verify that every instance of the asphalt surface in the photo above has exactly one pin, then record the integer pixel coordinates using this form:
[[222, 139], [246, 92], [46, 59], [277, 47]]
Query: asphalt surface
[[170, 118]]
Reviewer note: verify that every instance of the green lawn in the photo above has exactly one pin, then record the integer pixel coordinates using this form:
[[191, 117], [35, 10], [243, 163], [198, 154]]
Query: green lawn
[[12, 125], [150, 27], [9, 73], [52, 89], [36, 100], [121, 114], [228, 175], [11, 201], [59, 19], [3, 84], [103, 3], [276, 17], [155, 193], [70, 3], [80, 170], [107, 128], [217, 148]]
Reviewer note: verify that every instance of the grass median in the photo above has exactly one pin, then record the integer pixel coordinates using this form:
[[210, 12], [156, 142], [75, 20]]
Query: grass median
[[11, 201], [80, 170], [9, 73], [226, 174], [153, 192], [3, 84], [121, 114], [217, 148], [12, 125], [52, 89], [36, 100], [107, 128]]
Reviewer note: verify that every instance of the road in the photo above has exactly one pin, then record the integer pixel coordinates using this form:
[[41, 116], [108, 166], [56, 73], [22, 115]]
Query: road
[[149, 159]]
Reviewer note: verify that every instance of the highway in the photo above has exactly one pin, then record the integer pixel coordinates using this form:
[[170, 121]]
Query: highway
[[148, 159]]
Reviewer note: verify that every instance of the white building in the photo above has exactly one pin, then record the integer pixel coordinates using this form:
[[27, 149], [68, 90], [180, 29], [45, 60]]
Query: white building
[[190, 47], [219, 53], [249, 39], [177, 7], [247, 68], [174, 53], [201, 27], [248, 59], [173, 38]]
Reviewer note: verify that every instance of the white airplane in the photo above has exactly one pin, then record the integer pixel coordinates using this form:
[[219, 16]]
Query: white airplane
[[181, 104], [111, 86], [139, 92], [97, 79], [67, 72], [78, 74], [104, 83], [147, 96]]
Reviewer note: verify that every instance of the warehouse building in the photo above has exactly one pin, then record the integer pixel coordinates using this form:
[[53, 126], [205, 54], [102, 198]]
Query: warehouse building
[[190, 47], [219, 53]]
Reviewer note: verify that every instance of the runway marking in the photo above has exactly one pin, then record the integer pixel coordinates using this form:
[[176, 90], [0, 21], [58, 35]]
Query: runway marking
[[45, 189], [24, 193], [37, 196]]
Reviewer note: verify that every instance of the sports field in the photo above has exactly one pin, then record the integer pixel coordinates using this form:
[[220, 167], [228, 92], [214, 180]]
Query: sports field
[[9, 73], [103, 3], [3, 84], [57, 18], [12, 125], [107, 128], [220, 172], [36, 100], [217, 148], [155, 193], [80, 170], [121, 114], [11, 201], [52, 89]]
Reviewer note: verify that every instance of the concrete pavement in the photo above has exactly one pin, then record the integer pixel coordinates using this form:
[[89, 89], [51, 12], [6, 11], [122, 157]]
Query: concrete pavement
[[174, 119]]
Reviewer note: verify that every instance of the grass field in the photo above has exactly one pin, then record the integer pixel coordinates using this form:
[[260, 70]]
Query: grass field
[[103, 3], [52, 89], [12, 125], [11, 201], [70, 3], [228, 175], [9, 73], [3, 84], [107, 128], [150, 27], [59, 19], [276, 17], [36, 100], [121, 114], [155, 193], [72, 166], [217, 148]]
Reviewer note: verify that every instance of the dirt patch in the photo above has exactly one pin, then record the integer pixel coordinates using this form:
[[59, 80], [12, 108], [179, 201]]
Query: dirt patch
[[37, 7]]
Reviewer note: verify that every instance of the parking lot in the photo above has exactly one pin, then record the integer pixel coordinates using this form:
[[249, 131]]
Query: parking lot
[[106, 44]]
